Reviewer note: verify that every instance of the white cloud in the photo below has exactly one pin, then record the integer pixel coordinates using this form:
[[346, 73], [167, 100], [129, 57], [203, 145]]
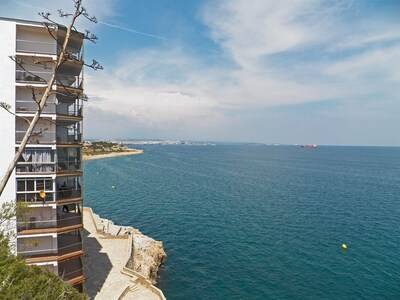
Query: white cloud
[[275, 53]]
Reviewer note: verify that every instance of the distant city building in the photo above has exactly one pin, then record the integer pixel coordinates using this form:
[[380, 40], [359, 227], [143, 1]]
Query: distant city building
[[48, 176]]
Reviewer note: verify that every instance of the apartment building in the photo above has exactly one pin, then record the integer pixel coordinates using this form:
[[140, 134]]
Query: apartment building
[[48, 176]]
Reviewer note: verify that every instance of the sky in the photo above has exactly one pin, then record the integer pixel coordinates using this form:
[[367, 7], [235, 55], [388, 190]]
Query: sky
[[267, 71]]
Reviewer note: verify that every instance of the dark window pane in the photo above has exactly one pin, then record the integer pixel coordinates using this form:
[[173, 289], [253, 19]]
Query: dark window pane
[[49, 185], [30, 185], [39, 185], [21, 185]]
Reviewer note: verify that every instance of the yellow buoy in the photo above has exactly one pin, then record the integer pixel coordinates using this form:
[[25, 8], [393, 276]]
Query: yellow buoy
[[344, 246], [42, 194]]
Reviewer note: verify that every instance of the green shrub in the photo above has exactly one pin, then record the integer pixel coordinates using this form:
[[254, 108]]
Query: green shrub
[[21, 281]]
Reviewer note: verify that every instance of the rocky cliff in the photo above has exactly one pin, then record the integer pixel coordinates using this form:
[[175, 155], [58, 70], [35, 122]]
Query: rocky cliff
[[147, 254]]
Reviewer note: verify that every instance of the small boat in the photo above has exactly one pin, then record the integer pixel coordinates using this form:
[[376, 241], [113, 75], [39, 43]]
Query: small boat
[[309, 146]]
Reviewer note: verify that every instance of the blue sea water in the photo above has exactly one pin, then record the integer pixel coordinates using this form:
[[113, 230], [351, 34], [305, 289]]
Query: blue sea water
[[261, 222]]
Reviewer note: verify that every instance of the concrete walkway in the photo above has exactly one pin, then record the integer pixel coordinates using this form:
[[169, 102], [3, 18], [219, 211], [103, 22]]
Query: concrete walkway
[[104, 259]]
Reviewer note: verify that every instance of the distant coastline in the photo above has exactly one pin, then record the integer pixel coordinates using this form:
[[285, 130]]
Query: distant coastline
[[99, 150]]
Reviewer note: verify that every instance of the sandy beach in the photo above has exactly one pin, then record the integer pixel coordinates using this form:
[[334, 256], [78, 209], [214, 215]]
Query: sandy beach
[[112, 154]]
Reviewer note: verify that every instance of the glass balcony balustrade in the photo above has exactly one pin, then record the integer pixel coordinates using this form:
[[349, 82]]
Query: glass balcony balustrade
[[68, 193], [70, 269], [49, 48], [32, 46], [35, 197], [47, 135], [45, 246], [45, 217]]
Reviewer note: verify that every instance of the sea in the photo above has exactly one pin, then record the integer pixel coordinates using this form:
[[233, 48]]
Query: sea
[[261, 222]]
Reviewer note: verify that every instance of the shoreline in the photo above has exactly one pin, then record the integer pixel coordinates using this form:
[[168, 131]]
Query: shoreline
[[111, 154]]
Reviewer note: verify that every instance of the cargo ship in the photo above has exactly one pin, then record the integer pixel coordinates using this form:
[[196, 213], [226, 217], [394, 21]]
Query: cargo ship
[[309, 146]]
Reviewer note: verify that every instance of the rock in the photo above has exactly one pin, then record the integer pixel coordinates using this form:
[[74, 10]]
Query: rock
[[148, 255]]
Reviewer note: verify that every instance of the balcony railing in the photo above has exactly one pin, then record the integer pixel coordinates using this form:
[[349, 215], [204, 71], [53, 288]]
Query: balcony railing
[[36, 167], [69, 193], [31, 46], [36, 47], [34, 197], [69, 166], [37, 137], [70, 81], [37, 252], [30, 106], [44, 77], [48, 137], [34, 223], [76, 54], [70, 138], [69, 109], [70, 275], [69, 219], [33, 76], [65, 220], [50, 251]]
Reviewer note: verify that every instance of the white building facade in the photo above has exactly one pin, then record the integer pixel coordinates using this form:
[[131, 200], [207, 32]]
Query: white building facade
[[48, 176]]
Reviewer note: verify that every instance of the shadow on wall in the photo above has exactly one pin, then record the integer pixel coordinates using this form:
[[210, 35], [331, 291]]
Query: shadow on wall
[[97, 265]]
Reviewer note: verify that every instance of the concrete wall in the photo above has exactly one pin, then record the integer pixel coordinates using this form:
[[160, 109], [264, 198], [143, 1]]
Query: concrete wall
[[7, 94]]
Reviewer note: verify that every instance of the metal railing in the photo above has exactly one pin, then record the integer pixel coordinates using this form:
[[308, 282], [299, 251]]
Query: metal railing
[[70, 275], [33, 76], [68, 193], [30, 106], [69, 109], [59, 250], [33, 224], [69, 165], [37, 137], [69, 221], [51, 223], [70, 248], [36, 167], [36, 47], [31, 46], [34, 197], [69, 80]]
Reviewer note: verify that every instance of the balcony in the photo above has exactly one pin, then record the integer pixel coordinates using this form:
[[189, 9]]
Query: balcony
[[70, 269], [68, 219], [44, 249], [37, 167], [68, 193], [38, 224], [70, 81], [37, 47], [70, 106], [48, 132], [69, 166], [37, 246], [69, 242], [42, 77], [34, 76], [37, 137], [34, 197], [31, 107]]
